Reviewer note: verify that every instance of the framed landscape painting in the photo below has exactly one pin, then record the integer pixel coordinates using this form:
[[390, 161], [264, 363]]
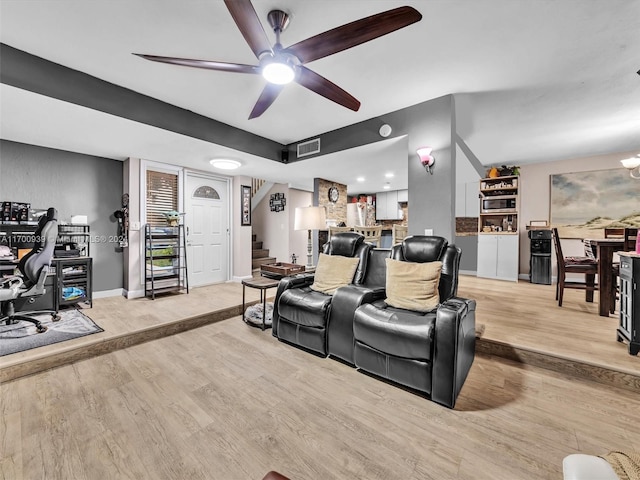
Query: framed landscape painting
[[584, 203]]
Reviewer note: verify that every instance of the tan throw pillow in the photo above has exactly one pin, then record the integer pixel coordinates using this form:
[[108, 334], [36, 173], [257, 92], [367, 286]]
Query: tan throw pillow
[[333, 272], [413, 286]]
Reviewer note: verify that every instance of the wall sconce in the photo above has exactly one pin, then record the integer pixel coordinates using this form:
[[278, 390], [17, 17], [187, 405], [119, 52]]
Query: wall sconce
[[633, 165], [426, 158]]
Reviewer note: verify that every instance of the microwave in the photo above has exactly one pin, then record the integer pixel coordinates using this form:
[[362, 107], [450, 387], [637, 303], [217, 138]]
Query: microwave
[[499, 204]]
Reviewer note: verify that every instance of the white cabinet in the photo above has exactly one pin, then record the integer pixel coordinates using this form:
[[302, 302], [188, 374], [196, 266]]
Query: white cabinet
[[387, 205], [403, 196], [467, 204], [498, 256]]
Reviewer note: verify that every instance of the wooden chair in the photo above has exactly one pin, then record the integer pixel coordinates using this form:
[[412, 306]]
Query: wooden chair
[[630, 236], [371, 234], [613, 232], [584, 265], [398, 232], [334, 230]]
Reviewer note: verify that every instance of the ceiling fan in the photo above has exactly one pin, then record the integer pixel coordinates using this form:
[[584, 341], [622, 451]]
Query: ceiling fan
[[280, 66]]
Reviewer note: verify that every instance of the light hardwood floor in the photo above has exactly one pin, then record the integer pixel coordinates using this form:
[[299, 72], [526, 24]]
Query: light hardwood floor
[[228, 401], [522, 322]]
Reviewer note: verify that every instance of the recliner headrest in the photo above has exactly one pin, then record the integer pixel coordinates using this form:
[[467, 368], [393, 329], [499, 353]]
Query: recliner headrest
[[345, 244], [423, 248]]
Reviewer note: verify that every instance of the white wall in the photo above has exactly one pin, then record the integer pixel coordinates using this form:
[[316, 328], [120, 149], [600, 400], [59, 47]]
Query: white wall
[[240, 236], [535, 194], [275, 229]]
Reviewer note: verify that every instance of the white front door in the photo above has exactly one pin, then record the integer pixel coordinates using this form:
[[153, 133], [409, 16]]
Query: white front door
[[207, 225]]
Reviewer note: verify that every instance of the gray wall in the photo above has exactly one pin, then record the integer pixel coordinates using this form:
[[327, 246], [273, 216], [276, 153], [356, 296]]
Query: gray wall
[[432, 123], [74, 184]]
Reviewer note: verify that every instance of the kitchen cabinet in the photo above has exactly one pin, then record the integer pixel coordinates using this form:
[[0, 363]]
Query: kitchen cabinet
[[498, 256], [403, 196], [387, 207], [467, 204]]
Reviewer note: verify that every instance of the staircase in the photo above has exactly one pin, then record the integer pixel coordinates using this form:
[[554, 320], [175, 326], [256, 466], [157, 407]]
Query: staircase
[[259, 255]]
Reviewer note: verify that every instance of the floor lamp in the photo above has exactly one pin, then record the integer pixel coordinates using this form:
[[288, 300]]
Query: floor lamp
[[310, 218]]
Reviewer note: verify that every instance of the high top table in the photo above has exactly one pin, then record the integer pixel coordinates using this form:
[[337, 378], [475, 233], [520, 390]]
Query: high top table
[[605, 248]]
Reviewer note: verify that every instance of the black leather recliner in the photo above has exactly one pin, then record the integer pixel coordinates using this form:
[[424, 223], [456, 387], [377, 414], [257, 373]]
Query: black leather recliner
[[300, 314], [429, 352]]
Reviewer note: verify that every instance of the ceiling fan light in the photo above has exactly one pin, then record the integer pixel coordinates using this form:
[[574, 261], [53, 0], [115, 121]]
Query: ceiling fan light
[[278, 73], [225, 164]]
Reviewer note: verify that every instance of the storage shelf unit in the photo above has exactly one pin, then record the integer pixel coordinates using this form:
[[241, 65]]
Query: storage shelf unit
[[498, 240], [629, 328], [75, 234], [165, 260], [74, 276]]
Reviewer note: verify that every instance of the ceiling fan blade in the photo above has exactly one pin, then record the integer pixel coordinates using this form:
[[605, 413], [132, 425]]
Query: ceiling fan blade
[[320, 85], [267, 97], [354, 33], [249, 25], [206, 64]]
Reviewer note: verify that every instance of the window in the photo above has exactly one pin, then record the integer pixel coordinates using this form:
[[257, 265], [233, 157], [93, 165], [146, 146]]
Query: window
[[162, 196], [206, 191]]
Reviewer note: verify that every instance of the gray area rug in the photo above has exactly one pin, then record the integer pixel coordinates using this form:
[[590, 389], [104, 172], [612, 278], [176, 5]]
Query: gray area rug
[[23, 336]]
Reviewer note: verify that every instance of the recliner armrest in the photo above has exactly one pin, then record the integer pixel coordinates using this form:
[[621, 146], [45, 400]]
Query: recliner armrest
[[454, 348], [297, 281], [340, 341]]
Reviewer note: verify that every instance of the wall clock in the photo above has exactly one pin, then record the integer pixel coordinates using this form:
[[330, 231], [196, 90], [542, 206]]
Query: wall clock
[[333, 194]]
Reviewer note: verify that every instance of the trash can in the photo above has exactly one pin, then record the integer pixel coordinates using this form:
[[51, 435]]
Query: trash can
[[540, 259]]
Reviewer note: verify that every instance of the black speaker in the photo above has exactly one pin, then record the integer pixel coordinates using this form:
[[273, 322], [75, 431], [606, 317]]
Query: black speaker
[[284, 156]]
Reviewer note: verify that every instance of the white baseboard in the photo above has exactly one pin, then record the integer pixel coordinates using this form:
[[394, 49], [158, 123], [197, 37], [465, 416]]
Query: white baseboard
[[116, 292], [473, 273], [133, 293], [237, 279]]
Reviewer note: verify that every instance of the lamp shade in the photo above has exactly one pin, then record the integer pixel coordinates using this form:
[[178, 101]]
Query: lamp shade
[[310, 218]]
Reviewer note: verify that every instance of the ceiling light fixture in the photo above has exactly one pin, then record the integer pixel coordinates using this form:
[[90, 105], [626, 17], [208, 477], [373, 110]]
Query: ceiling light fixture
[[427, 160], [225, 164], [360, 179], [278, 70], [389, 175], [633, 165]]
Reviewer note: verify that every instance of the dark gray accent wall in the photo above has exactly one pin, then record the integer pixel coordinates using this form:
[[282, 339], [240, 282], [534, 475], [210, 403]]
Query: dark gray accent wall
[[75, 184], [28, 72], [469, 247]]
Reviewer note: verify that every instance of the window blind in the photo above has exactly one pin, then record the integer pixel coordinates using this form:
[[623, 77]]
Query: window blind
[[162, 196]]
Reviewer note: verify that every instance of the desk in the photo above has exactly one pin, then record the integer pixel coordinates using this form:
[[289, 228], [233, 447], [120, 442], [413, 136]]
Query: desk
[[261, 283], [605, 248]]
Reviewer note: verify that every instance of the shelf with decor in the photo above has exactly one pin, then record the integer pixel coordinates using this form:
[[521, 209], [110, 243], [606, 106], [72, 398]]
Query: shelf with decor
[[498, 241], [165, 260]]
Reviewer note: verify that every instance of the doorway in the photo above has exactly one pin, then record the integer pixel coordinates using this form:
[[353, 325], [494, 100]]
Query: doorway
[[206, 201]]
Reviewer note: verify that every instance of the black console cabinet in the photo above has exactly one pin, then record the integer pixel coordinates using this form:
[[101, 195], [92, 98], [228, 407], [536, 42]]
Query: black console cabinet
[[629, 329]]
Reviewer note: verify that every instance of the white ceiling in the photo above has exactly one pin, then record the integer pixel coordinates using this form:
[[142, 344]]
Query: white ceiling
[[534, 81]]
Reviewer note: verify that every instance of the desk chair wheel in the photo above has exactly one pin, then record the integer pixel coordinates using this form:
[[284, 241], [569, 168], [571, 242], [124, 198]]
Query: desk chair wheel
[[55, 317], [41, 328]]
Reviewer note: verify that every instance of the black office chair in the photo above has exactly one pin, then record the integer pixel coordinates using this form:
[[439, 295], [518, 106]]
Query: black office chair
[[34, 267]]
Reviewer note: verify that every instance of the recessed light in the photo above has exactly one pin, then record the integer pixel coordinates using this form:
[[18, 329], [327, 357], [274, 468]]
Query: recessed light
[[360, 179], [388, 175], [387, 186], [225, 164]]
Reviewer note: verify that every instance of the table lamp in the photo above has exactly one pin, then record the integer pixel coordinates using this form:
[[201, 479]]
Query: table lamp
[[309, 218]]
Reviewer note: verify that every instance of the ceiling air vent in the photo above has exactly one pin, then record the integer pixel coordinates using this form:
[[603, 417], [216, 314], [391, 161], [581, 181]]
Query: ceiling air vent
[[309, 148]]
